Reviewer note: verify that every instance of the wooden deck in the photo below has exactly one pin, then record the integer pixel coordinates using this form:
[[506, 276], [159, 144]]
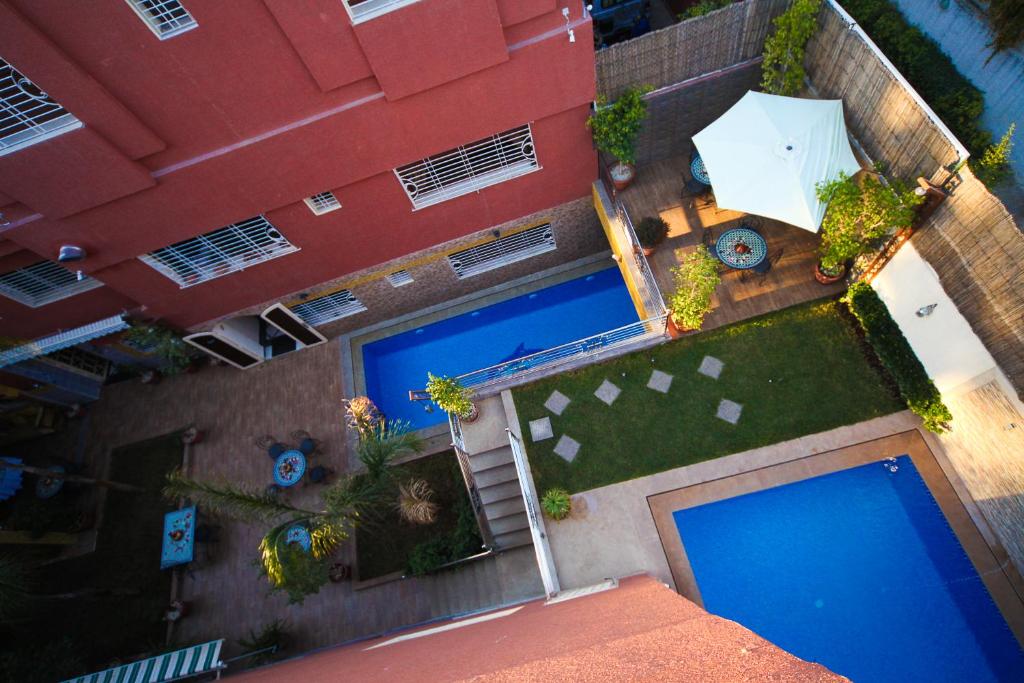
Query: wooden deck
[[658, 191]]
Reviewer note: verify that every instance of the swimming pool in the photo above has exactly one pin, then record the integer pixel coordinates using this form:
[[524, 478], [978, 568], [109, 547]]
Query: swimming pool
[[857, 570], [477, 339]]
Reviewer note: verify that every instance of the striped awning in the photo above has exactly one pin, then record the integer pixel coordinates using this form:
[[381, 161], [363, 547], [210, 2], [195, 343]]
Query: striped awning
[[62, 340], [190, 661]]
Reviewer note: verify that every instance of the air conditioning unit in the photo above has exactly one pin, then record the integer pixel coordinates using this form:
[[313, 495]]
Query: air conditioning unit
[[251, 340]]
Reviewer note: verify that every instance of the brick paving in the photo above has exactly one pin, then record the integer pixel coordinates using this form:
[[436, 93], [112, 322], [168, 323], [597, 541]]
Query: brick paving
[[298, 391]]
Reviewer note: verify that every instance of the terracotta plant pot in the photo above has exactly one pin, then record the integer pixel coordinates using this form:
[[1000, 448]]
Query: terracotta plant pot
[[339, 572], [622, 175], [674, 329], [151, 376], [828, 279], [473, 415], [191, 436], [649, 251]]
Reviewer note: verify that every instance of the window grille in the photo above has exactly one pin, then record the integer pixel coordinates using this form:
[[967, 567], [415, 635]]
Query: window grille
[[361, 10], [27, 114], [469, 168], [503, 251], [324, 309], [166, 18], [221, 252], [322, 202], [399, 278], [88, 363], [43, 283]]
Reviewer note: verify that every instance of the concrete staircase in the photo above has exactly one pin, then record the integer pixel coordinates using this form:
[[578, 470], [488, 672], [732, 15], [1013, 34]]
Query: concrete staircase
[[496, 480]]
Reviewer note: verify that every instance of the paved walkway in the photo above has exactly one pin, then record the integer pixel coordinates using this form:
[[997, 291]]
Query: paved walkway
[[297, 391]]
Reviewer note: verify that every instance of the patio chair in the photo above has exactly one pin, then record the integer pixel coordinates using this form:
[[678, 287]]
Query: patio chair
[[320, 474], [264, 442], [307, 444], [765, 266]]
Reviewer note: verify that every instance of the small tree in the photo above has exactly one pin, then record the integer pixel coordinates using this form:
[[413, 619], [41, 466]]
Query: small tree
[[696, 280], [859, 212], [616, 125], [782, 72], [451, 396], [994, 165], [175, 355], [651, 231]]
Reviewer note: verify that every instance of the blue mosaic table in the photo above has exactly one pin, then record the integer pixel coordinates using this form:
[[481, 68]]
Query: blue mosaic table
[[48, 487], [700, 173], [298, 535], [289, 468], [741, 248], [179, 540]]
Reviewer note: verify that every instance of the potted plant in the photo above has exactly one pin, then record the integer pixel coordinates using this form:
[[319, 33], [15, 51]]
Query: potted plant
[[696, 279], [650, 232], [166, 345], [615, 127], [191, 436], [858, 213], [556, 503], [452, 397]]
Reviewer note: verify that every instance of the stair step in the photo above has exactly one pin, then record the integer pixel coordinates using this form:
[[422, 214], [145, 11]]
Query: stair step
[[496, 492], [495, 458], [501, 508], [513, 539], [508, 524], [496, 475]]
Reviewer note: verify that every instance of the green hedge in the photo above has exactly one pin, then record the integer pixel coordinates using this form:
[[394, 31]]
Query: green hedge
[[897, 356], [932, 73], [463, 541]]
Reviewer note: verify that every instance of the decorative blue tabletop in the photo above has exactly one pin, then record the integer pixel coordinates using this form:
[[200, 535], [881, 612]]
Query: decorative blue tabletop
[[179, 537], [48, 487], [289, 468], [298, 535], [700, 173], [741, 248]]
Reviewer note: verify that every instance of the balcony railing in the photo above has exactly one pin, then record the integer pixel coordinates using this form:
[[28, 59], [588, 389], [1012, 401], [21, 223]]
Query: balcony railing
[[364, 10]]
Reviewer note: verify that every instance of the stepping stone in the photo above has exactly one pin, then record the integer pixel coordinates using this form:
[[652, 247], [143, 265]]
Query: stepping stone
[[557, 402], [541, 429], [567, 447], [607, 392], [729, 411], [711, 366], [660, 381]]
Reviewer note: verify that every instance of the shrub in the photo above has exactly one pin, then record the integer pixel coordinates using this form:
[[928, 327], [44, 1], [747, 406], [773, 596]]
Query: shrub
[[696, 280], [897, 356], [451, 396], [556, 503], [932, 73], [994, 165], [782, 72], [273, 635], [616, 125], [651, 231], [1007, 20], [462, 542], [703, 7], [175, 355], [415, 502]]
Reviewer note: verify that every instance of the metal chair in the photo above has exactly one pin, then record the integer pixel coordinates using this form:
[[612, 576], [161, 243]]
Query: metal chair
[[307, 444], [264, 442], [275, 450]]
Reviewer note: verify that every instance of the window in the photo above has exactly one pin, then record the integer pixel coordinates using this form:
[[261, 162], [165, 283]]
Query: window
[[399, 278], [27, 114], [324, 309], [43, 283], [361, 10], [503, 251], [166, 18], [469, 168], [221, 252], [322, 202]]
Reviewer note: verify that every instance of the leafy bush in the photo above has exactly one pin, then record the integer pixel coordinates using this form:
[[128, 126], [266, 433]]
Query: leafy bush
[[651, 231], [703, 7], [1007, 20], [782, 72], [932, 73], [896, 354], [994, 165], [616, 125], [696, 280], [174, 354], [451, 396], [462, 542], [556, 503], [273, 635]]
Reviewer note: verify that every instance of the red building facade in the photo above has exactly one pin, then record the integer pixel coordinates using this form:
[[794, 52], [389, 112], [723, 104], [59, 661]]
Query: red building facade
[[430, 122]]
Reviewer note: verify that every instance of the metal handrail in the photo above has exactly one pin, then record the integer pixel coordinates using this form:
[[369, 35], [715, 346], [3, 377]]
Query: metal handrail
[[580, 348], [648, 286]]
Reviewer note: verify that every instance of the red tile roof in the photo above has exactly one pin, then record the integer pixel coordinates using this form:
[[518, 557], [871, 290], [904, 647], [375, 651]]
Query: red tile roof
[[638, 631]]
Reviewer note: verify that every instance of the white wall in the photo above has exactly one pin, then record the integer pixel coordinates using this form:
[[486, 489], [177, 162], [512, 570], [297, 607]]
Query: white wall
[[948, 348]]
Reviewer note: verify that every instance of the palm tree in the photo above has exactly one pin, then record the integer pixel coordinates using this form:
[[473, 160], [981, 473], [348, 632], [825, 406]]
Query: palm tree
[[344, 504]]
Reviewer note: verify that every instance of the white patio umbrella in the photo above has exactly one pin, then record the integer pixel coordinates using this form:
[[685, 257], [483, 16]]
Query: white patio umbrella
[[767, 152]]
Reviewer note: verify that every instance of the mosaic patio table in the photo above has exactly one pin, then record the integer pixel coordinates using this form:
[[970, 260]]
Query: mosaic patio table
[[298, 535], [48, 487], [289, 468], [179, 539], [700, 173], [741, 248]]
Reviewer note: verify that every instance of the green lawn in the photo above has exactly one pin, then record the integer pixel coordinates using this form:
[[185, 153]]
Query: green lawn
[[797, 371]]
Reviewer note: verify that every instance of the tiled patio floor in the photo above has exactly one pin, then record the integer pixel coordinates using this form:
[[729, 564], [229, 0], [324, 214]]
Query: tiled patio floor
[[298, 391], [657, 191]]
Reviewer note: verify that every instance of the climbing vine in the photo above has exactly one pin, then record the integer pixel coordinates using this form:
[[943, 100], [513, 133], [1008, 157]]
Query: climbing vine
[[782, 72]]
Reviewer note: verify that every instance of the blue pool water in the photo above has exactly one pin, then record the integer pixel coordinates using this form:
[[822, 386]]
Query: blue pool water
[[857, 570], [487, 336]]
